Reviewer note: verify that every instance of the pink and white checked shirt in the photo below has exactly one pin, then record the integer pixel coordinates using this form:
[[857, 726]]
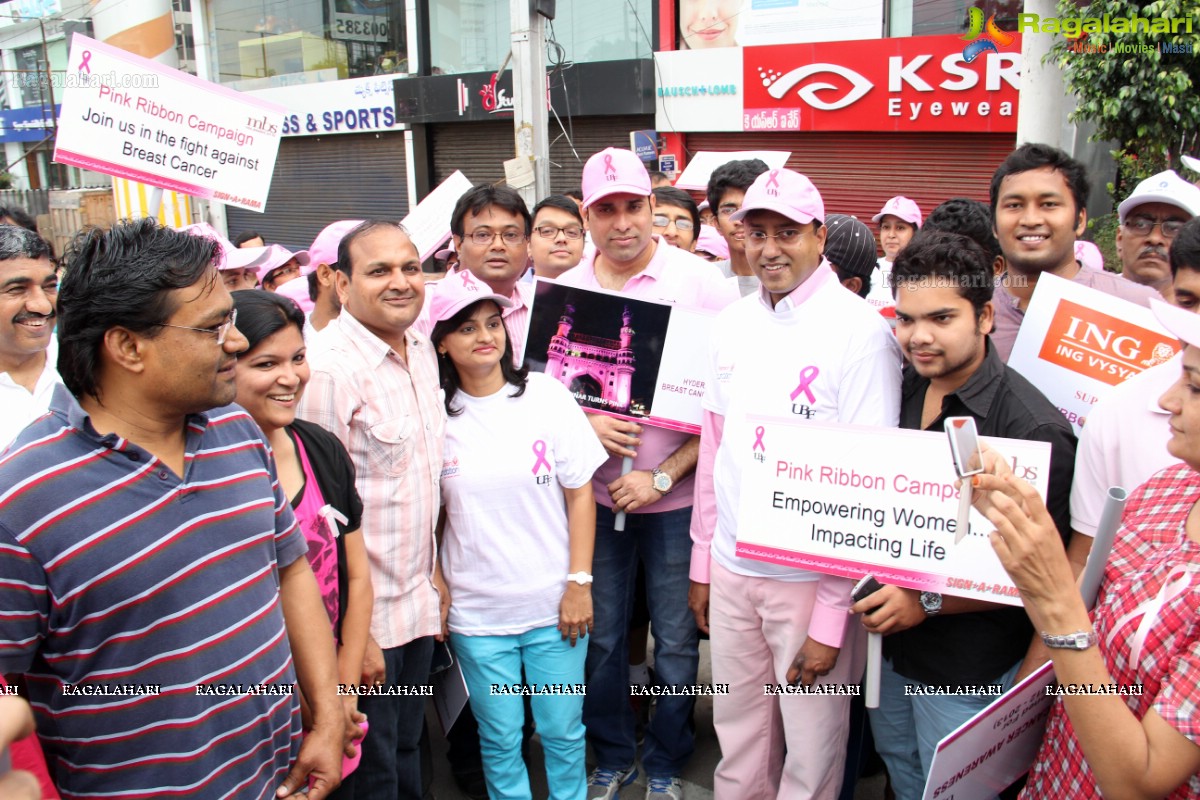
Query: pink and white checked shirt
[[1154, 571], [390, 417]]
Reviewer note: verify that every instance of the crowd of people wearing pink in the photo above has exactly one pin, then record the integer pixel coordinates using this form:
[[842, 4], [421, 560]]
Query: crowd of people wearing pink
[[253, 501]]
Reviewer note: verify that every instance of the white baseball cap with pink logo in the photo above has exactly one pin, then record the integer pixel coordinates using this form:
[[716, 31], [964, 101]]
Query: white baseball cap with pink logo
[[785, 192], [614, 171]]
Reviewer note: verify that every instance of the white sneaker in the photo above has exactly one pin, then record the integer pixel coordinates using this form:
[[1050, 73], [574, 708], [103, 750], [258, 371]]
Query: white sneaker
[[664, 789], [606, 784]]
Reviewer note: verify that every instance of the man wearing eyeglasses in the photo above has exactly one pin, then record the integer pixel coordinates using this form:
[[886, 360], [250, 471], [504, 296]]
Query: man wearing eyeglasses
[[156, 592], [771, 354], [559, 235], [1151, 217], [676, 217], [491, 227]]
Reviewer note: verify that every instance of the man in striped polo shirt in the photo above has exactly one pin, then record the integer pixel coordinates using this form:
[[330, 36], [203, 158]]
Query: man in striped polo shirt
[[151, 572]]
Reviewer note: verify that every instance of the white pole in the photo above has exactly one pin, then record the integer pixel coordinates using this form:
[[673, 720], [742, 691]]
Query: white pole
[[530, 119]]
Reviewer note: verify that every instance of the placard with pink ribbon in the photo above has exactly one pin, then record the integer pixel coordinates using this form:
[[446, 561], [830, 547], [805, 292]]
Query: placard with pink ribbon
[[134, 118], [851, 500]]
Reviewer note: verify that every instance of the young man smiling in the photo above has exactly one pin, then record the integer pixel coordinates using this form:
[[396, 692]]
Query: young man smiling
[[943, 288], [1038, 197]]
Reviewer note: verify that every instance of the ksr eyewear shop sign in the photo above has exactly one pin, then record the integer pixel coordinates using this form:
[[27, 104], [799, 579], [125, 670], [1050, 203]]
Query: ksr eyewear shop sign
[[923, 83]]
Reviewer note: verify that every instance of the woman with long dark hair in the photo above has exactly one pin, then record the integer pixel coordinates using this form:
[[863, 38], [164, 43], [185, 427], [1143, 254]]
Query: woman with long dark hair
[[519, 528], [315, 472]]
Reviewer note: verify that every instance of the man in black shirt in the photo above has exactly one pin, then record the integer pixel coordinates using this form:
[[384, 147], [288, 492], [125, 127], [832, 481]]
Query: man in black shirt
[[953, 646]]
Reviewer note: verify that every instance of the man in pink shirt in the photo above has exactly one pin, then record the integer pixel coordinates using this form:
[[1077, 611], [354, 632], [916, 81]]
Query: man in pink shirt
[[656, 496], [490, 227]]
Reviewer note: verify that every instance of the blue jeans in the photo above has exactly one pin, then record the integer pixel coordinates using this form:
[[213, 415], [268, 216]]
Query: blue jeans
[[548, 661], [907, 728], [663, 542], [391, 752]]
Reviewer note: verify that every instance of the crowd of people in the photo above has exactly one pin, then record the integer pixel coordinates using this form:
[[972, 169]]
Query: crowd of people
[[252, 500]]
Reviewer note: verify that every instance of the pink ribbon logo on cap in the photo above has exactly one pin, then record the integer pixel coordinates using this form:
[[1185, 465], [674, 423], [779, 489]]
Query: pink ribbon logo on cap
[[758, 442], [468, 284], [539, 450], [807, 376], [610, 170], [773, 181], [83, 62]]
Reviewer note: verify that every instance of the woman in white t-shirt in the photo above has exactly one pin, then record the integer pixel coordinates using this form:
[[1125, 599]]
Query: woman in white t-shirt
[[516, 552]]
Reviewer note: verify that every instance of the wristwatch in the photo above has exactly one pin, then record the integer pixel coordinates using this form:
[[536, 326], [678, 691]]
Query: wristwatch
[[662, 481], [582, 578], [932, 603], [1080, 640]]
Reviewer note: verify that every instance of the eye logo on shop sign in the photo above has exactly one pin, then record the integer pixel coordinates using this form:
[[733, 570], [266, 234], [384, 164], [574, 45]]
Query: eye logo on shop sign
[[779, 84]]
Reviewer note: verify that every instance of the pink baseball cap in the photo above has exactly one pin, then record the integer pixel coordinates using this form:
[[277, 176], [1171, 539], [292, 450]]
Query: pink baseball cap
[[296, 290], [324, 248], [457, 291], [614, 171], [784, 192], [276, 256], [1089, 255], [710, 240], [444, 253], [901, 207]]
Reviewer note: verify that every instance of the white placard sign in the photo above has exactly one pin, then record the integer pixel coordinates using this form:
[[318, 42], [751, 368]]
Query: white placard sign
[[128, 116], [428, 224], [1076, 343], [985, 754], [853, 500], [696, 173]]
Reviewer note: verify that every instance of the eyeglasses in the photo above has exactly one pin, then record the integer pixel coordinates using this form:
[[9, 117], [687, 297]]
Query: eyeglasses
[[1143, 225], [551, 231], [482, 236], [680, 224], [727, 210], [784, 237], [221, 331]]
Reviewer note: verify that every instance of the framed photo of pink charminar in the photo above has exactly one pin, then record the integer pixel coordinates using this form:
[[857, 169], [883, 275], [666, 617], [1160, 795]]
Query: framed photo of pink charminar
[[619, 355]]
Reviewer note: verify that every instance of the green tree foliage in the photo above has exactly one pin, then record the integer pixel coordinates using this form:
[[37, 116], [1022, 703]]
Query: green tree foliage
[[1148, 101]]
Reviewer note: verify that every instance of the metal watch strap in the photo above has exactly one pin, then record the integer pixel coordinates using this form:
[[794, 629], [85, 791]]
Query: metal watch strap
[[1080, 640]]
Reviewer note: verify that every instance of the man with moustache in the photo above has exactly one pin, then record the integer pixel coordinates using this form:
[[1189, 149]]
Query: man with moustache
[[1151, 217], [1038, 198], [376, 388], [28, 350], [156, 595]]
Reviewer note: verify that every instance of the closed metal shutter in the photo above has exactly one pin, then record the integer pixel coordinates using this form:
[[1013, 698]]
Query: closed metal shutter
[[480, 149], [856, 173], [321, 179]]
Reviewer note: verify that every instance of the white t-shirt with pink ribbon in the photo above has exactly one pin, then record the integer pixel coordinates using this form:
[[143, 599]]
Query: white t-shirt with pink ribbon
[[506, 548]]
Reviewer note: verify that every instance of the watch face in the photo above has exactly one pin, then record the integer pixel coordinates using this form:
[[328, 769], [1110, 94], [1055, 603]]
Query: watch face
[[662, 482], [931, 602]]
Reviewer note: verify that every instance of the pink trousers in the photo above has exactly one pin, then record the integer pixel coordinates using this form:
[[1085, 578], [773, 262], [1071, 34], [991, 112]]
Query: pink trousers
[[775, 747]]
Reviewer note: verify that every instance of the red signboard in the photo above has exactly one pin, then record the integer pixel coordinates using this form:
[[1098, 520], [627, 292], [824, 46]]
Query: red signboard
[[921, 83]]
